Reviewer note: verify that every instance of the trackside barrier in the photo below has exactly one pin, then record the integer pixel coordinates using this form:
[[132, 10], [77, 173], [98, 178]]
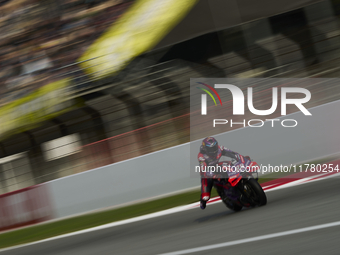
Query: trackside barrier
[[24, 207], [170, 170], [132, 144]]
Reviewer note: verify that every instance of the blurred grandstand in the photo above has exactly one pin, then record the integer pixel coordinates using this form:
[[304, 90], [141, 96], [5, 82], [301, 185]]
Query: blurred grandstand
[[40, 38], [145, 106]]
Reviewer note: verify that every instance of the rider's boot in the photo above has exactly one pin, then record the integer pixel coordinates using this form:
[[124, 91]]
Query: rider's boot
[[203, 204], [204, 199]]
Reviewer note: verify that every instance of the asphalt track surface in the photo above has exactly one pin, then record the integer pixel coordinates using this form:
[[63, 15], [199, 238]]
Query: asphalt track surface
[[292, 208]]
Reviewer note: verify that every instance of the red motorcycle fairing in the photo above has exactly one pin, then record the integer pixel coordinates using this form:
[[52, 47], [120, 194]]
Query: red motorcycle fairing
[[235, 172]]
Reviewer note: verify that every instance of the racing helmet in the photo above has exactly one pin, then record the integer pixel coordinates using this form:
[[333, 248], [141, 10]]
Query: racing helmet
[[210, 146]]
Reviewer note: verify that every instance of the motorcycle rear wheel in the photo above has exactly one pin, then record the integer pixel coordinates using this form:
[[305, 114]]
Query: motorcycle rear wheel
[[232, 206], [236, 208]]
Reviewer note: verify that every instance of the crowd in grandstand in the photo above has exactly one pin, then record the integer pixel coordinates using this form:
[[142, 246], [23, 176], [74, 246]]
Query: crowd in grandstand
[[40, 37]]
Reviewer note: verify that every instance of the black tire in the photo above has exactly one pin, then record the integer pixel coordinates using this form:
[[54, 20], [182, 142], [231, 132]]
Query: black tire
[[259, 197], [234, 207], [237, 208]]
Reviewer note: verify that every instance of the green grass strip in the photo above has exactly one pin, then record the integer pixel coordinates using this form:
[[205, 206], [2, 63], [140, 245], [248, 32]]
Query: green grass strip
[[47, 230]]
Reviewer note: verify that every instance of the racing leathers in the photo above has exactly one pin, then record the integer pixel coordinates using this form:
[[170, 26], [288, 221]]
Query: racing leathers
[[207, 178]]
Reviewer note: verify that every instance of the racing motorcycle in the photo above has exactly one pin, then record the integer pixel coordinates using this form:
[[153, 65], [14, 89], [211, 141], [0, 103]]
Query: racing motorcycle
[[238, 187]]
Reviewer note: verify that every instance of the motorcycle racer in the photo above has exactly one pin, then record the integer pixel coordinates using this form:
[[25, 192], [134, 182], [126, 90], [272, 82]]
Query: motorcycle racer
[[209, 155]]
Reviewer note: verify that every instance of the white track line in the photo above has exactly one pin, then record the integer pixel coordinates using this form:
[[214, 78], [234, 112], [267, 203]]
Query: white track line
[[304, 181], [253, 239], [152, 215]]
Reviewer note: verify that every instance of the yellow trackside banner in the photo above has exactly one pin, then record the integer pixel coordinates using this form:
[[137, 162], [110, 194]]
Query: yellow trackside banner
[[138, 30], [28, 112]]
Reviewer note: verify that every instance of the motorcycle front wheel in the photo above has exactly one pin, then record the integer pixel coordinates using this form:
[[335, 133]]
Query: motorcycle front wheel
[[254, 193]]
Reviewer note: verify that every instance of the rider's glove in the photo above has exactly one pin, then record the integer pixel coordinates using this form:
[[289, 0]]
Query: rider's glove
[[234, 161]]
